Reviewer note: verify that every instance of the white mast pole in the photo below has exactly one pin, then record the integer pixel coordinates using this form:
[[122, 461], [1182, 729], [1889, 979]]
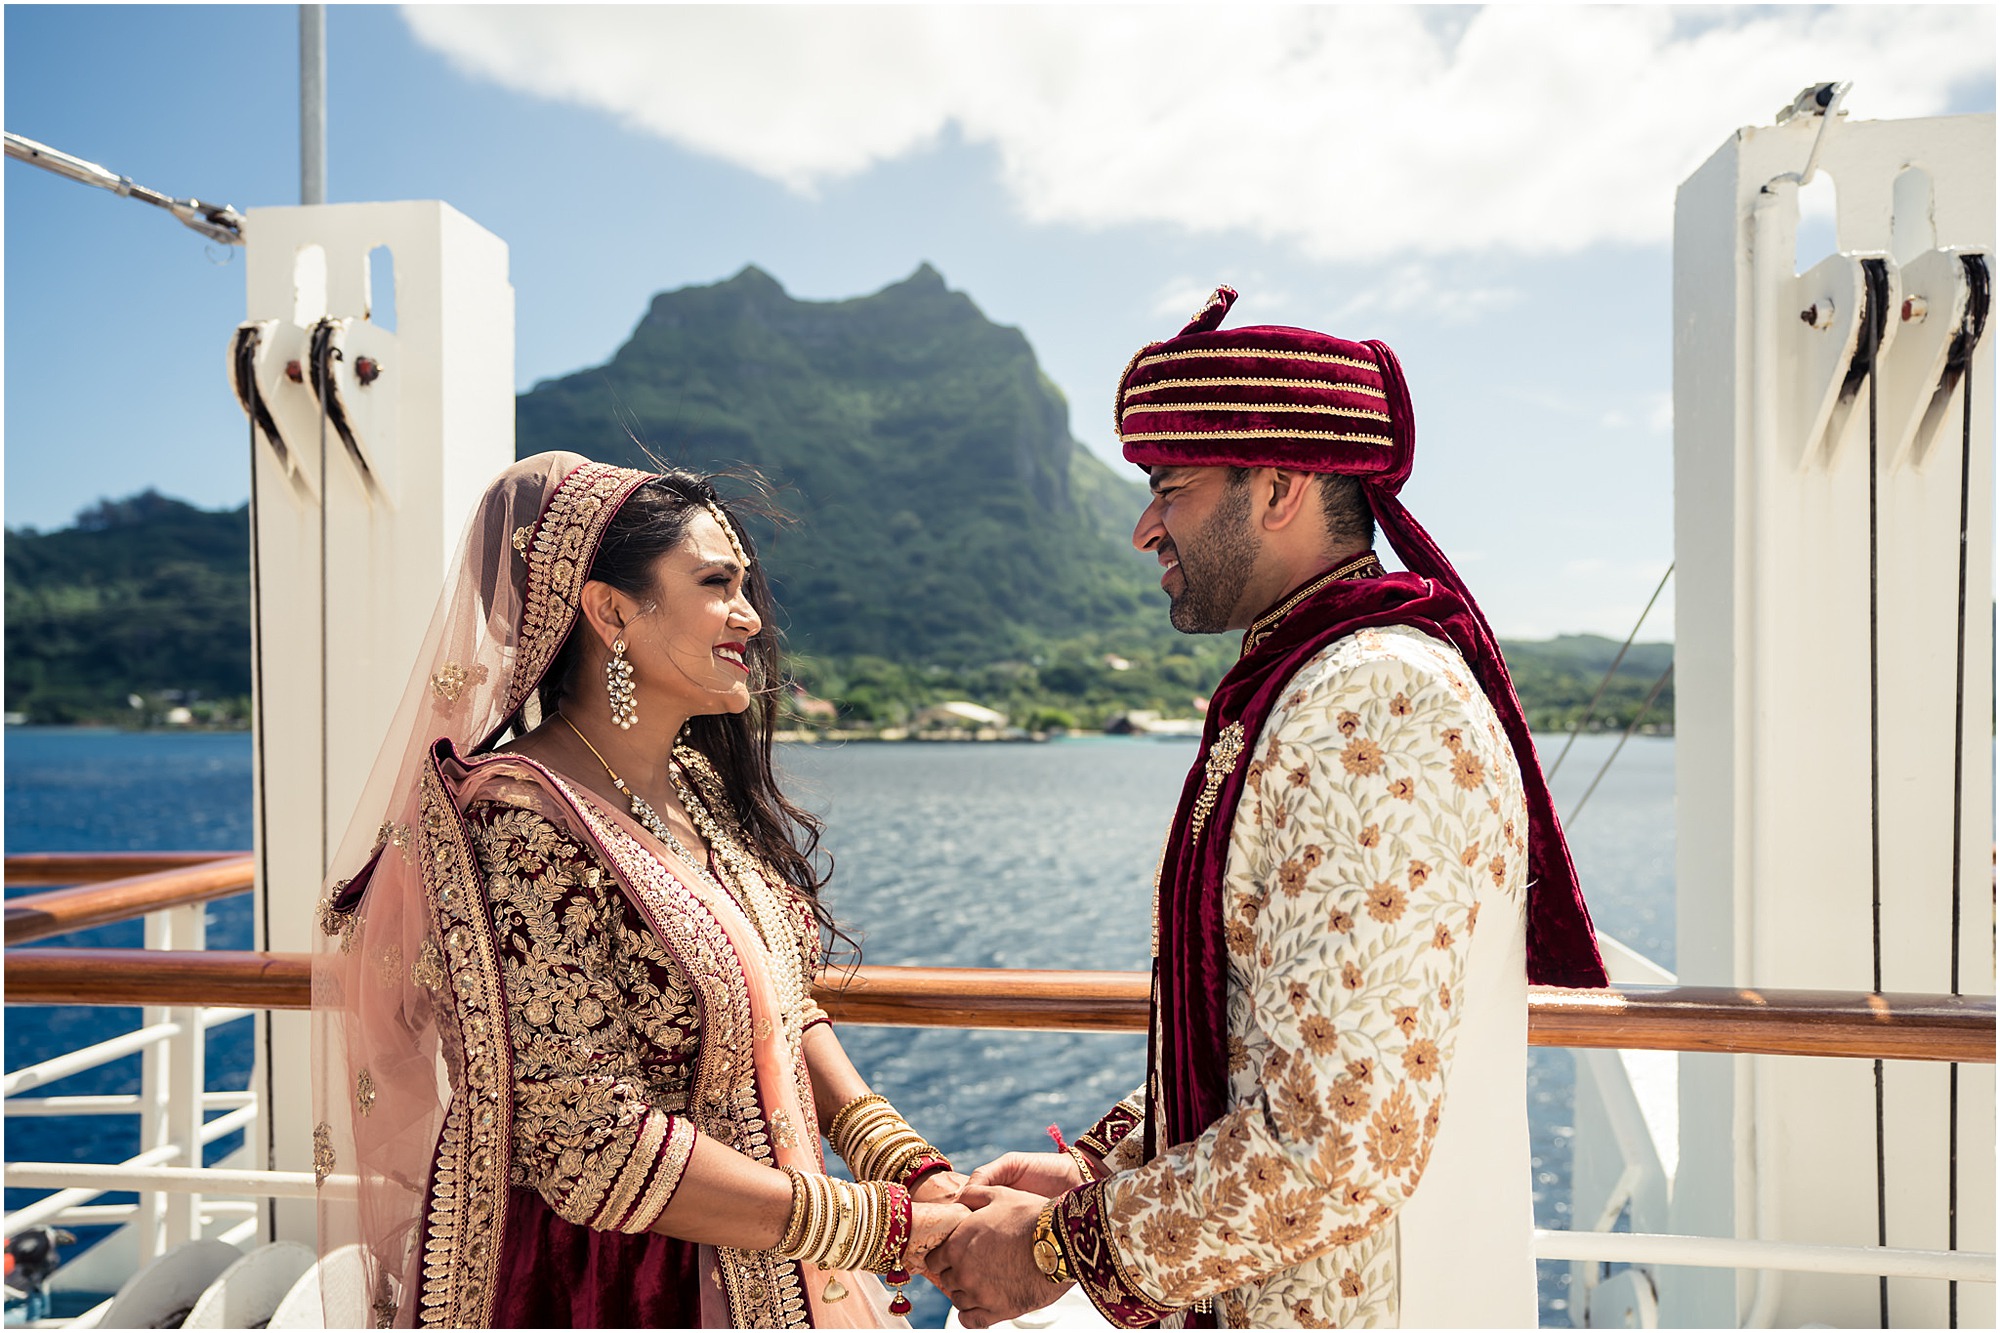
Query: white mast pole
[[312, 104]]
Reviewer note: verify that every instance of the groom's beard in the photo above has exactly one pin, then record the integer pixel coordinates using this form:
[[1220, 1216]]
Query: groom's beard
[[1215, 562]]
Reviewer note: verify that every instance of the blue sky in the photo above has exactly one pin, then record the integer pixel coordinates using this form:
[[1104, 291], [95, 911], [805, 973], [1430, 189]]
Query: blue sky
[[1490, 191]]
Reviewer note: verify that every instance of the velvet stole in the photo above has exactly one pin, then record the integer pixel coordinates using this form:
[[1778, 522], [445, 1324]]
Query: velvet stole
[[1191, 1070]]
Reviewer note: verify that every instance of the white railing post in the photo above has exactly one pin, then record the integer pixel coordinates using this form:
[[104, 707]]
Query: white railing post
[[186, 1068], [149, 1221]]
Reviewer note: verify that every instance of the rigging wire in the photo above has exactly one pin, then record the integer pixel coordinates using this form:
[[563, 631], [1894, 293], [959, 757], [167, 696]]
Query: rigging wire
[[218, 222], [1873, 316], [1978, 282], [1652, 695], [260, 415], [1590, 711]]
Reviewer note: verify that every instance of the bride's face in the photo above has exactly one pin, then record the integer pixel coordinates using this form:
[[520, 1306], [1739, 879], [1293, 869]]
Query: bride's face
[[689, 647]]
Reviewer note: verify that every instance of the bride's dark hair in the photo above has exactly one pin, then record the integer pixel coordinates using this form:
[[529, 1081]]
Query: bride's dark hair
[[651, 522]]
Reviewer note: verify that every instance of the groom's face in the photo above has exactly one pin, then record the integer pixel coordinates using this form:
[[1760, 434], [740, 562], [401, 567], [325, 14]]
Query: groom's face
[[1199, 527]]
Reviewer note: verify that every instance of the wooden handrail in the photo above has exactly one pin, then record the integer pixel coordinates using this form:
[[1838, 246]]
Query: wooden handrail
[[59, 911], [48, 869], [1670, 1018]]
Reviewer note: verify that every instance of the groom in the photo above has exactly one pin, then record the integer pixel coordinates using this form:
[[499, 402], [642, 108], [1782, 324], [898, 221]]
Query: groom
[[1364, 874]]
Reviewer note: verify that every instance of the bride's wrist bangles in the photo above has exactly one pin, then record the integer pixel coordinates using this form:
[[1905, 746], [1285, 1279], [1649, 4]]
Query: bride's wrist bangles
[[840, 1225], [878, 1144]]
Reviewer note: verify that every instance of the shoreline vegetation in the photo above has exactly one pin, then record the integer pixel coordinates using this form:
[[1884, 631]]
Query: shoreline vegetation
[[138, 618], [963, 567]]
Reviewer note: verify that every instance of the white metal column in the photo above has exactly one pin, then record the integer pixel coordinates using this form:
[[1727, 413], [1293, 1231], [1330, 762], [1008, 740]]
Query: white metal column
[[1801, 767], [352, 542]]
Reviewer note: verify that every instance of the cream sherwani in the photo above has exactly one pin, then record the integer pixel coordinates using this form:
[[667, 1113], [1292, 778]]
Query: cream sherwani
[[1375, 923]]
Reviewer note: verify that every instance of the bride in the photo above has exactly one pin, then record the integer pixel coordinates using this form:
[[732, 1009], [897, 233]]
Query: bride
[[565, 1028]]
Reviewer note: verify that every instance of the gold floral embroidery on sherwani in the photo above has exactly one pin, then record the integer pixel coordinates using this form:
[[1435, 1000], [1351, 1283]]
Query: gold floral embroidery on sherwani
[[1383, 808]]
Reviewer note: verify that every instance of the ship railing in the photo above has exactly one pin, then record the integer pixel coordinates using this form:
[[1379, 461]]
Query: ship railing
[[174, 1106], [185, 988]]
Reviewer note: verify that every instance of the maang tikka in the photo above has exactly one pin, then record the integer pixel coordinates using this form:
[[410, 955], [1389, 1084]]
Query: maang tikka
[[618, 687]]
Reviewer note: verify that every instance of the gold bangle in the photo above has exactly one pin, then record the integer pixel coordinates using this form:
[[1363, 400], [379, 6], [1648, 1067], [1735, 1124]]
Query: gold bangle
[[872, 1161], [795, 1220], [867, 1132], [822, 1221], [1082, 1163], [847, 1113]]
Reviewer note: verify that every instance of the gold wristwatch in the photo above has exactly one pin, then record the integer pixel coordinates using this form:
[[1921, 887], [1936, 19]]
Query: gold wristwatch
[[1049, 1256]]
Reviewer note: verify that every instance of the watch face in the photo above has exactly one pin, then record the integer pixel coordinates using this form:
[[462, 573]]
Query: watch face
[[1048, 1257]]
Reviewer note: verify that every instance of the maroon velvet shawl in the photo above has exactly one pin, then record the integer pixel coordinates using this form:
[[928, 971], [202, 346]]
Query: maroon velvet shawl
[[1191, 974]]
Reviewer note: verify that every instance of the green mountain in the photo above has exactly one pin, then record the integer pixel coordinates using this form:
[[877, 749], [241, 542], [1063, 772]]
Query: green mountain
[[947, 515], [955, 542], [1557, 678], [144, 596]]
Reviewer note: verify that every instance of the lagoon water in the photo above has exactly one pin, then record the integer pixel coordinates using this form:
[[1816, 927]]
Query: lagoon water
[[1034, 856]]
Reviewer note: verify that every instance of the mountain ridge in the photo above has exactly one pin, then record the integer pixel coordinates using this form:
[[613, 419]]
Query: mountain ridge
[[956, 541]]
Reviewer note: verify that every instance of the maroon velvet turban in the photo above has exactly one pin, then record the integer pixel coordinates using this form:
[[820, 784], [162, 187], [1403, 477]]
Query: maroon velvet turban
[[1267, 397], [1293, 398]]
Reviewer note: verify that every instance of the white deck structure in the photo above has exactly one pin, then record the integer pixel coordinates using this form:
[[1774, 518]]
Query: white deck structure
[[353, 540], [1834, 724]]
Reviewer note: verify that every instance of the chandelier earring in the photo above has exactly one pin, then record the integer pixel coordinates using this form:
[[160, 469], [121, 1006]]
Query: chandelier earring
[[618, 687]]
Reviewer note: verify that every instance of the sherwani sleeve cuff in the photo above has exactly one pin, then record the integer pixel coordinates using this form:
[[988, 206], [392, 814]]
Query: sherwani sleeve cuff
[[633, 1180], [1084, 1232], [1111, 1130]]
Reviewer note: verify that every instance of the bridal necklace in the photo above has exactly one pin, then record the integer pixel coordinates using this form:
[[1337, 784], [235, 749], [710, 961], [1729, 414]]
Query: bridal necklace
[[758, 907], [648, 817]]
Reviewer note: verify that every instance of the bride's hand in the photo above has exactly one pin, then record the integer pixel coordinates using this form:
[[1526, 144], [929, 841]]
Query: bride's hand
[[930, 1223], [1045, 1173], [939, 1187]]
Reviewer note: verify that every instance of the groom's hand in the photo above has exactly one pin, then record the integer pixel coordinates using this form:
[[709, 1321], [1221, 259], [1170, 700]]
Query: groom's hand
[[1045, 1173], [987, 1266]]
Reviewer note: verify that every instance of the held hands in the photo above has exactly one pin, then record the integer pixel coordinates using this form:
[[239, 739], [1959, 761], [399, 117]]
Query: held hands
[[930, 1223], [1045, 1173], [987, 1266]]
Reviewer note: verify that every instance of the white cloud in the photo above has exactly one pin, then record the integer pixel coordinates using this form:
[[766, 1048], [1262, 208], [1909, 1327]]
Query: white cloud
[[1353, 133], [1419, 287], [1660, 416]]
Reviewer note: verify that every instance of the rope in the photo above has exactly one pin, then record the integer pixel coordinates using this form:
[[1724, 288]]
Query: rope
[[1640, 716], [1591, 711]]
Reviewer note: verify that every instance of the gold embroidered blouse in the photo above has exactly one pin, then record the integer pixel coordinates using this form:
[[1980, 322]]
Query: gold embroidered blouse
[[605, 1028]]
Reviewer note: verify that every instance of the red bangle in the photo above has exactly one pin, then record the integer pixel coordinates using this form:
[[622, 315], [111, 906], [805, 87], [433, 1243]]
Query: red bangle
[[897, 1241], [922, 1167], [895, 1250]]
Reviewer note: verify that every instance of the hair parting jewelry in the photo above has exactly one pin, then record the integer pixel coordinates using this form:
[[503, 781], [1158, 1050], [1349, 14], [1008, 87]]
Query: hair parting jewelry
[[729, 531], [618, 687]]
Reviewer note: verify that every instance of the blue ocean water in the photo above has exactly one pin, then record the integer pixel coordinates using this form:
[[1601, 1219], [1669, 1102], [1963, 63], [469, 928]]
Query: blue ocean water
[[964, 855]]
